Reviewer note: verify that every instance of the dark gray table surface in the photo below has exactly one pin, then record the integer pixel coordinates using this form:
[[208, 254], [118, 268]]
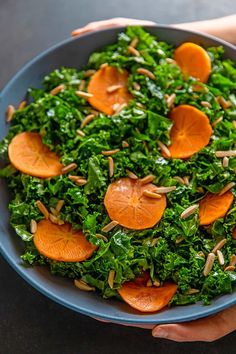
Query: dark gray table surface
[[29, 322]]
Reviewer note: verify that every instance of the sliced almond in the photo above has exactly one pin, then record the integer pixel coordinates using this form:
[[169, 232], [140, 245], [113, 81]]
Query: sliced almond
[[189, 211], [83, 94], [110, 226], [80, 284], [146, 72]]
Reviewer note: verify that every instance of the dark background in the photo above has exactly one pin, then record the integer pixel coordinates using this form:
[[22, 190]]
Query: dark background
[[29, 322]]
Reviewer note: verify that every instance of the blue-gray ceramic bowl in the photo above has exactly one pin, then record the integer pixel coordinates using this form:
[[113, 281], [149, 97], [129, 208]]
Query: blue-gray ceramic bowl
[[74, 52]]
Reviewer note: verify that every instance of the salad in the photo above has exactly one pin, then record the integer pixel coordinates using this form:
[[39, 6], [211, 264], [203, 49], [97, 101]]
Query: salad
[[122, 174]]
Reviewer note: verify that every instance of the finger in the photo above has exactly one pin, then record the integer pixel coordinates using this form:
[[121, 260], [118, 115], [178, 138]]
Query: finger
[[206, 329], [114, 22]]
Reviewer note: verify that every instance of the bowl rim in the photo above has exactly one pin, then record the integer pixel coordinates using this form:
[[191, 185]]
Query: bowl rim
[[205, 310]]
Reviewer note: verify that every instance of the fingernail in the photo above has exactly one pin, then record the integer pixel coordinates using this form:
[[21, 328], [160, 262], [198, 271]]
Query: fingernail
[[160, 333]]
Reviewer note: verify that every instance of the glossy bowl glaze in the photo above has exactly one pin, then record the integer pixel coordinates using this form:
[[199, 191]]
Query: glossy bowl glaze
[[74, 52]]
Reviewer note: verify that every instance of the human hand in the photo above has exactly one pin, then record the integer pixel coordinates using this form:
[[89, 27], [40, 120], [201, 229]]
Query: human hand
[[224, 27], [205, 329], [113, 22]]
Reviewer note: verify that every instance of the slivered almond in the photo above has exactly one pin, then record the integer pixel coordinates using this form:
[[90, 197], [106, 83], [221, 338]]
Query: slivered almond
[[102, 237], [57, 89], [113, 88], [82, 85], [33, 226], [22, 105], [136, 86], [157, 283], [227, 153], [150, 194], [147, 179], [220, 257], [80, 284], [219, 245], [89, 72], [223, 103], [59, 205], [110, 226], [75, 178], [133, 51], [146, 72], [87, 120], [186, 180], [81, 181], [209, 264], [154, 241], [170, 100], [111, 166], [69, 168], [225, 162], [192, 291], [42, 209], [227, 188], [205, 104], [189, 211], [218, 120], [131, 174], [179, 239], [117, 107], [140, 105], [170, 61], [201, 254], [9, 113], [232, 260], [134, 42], [179, 179], [83, 94], [53, 219], [80, 133], [164, 148], [111, 278], [109, 152], [124, 144], [165, 189]]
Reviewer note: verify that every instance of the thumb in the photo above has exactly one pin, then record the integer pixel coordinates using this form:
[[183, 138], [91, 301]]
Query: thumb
[[205, 329]]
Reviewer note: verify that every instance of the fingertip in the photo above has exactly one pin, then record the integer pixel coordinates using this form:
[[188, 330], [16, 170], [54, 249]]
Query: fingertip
[[160, 332]]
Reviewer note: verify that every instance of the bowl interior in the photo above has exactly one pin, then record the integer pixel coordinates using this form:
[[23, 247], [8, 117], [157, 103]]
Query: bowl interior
[[74, 53]]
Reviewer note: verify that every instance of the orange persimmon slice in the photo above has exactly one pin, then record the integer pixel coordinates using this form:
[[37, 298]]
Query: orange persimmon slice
[[214, 206], [193, 60], [191, 131], [126, 204], [147, 298], [29, 155], [101, 81], [61, 242]]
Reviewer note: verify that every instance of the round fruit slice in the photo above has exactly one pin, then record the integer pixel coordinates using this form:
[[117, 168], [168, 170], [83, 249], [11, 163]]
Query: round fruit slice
[[191, 131], [214, 206], [108, 87], [194, 61], [29, 155], [147, 299], [61, 242], [126, 204]]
